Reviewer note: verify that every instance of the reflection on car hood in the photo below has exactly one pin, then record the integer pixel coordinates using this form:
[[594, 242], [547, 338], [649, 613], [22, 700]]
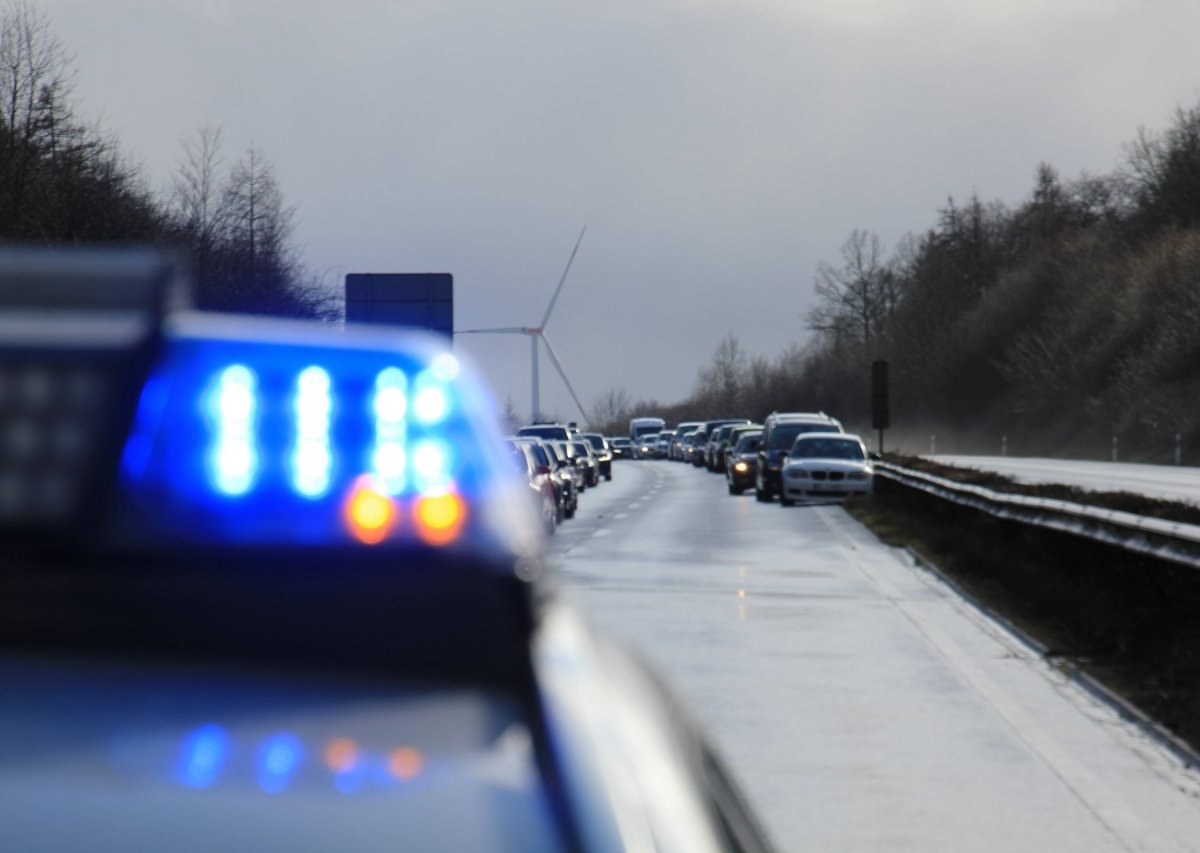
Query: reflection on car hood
[[827, 464]]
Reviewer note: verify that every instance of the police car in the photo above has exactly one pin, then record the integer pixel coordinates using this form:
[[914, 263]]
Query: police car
[[271, 585]]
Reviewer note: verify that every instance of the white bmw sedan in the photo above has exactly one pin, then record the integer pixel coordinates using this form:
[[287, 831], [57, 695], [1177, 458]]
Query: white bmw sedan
[[823, 466]]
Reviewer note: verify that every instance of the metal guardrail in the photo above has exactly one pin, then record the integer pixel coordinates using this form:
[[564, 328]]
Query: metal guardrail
[[1154, 537]]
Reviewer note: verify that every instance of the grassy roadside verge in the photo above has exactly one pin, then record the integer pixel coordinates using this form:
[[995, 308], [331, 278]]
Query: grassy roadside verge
[[1131, 622]]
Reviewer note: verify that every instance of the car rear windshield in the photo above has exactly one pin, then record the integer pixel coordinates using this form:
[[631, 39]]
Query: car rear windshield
[[548, 431], [748, 442], [596, 441], [828, 448], [784, 435]]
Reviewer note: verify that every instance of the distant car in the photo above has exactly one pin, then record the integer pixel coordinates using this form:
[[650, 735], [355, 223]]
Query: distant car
[[552, 431], [681, 431], [563, 480], [541, 491], [566, 457], [622, 448], [604, 454], [706, 430], [663, 447], [823, 466], [779, 433], [587, 461], [741, 461], [644, 447], [714, 451]]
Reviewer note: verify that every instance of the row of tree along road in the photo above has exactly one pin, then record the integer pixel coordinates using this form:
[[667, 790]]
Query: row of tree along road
[[1045, 328]]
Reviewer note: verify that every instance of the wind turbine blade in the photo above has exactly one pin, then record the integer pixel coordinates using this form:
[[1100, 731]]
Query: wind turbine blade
[[511, 330], [563, 374], [558, 289]]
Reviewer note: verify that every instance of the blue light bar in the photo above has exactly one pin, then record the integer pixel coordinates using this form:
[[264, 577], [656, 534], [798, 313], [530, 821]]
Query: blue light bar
[[312, 455], [233, 403], [272, 432]]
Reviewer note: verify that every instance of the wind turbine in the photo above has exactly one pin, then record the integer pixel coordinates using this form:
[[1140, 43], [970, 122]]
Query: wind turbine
[[538, 334]]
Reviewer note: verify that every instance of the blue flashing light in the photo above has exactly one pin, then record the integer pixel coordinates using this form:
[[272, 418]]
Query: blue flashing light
[[431, 405], [279, 758], [389, 463], [233, 405], [390, 402], [202, 756], [432, 461], [389, 459], [312, 459]]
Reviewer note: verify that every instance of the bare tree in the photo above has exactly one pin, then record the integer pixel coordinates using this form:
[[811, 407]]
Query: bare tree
[[721, 379], [35, 76], [35, 70], [259, 224], [611, 411], [197, 200], [856, 299]]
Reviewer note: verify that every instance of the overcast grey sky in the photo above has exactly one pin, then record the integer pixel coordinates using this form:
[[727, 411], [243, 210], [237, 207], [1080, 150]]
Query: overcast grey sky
[[716, 150]]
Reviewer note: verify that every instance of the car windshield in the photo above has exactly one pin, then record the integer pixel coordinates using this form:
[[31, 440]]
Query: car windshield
[[784, 435], [827, 448]]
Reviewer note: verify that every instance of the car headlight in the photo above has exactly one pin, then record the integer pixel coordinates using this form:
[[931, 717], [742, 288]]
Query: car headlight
[[741, 467]]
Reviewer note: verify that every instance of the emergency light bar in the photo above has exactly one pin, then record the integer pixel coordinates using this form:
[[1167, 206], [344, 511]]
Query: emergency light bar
[[253, 432], [126, 422]]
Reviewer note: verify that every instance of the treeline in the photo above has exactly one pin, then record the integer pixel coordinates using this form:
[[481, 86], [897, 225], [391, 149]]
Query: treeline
[[63, 181], [1058, 323]]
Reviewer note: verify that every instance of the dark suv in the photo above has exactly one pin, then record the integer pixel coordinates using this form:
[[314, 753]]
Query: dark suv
[[779, 431]]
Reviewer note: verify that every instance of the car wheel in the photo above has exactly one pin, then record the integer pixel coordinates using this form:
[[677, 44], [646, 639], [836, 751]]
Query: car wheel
[[734, 490], [608, 476], [762, 496], [785, 501]]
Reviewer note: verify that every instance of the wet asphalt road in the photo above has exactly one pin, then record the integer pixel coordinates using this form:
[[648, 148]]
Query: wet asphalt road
[[859, 702]]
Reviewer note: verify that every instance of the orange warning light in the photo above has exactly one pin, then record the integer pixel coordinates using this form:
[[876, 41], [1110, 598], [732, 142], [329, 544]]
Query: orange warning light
[[440, 518], [341, 754], [370, 514], [405, 762]]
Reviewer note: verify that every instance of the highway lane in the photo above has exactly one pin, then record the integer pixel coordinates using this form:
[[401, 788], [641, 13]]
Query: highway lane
[[862, 705], [1166, 482]]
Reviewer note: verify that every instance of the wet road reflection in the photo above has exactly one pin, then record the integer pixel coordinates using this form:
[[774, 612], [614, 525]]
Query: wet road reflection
[[861, 705]]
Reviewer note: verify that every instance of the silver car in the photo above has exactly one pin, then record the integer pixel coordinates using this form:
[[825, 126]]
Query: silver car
[[824, 466]]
